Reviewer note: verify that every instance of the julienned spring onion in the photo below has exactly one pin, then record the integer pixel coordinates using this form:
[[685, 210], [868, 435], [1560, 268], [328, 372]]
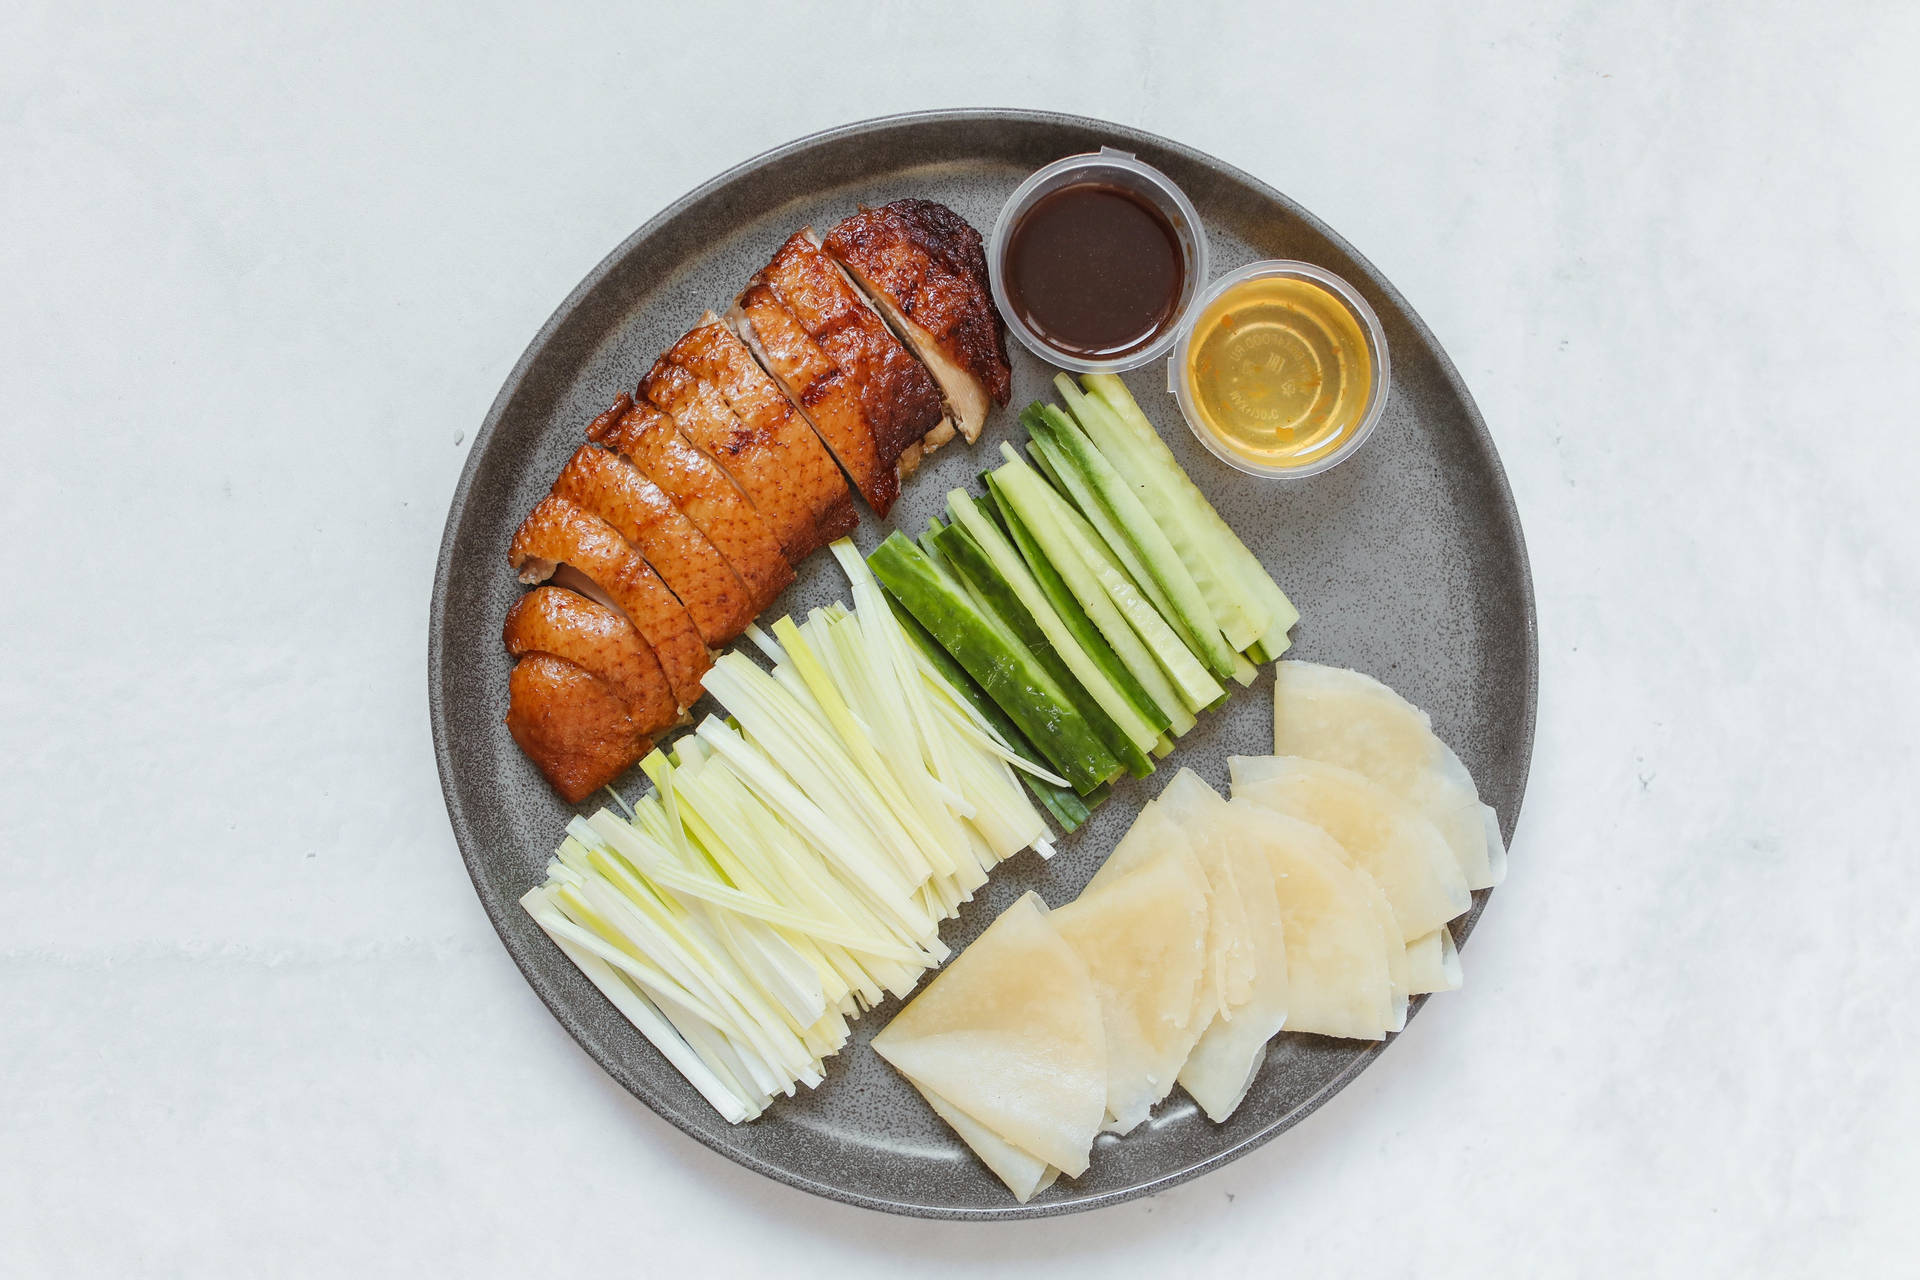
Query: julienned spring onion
[[791, 869]]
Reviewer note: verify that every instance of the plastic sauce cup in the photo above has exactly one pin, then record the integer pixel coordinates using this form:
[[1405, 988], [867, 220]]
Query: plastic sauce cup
[[1290, 352], [1114, 168]]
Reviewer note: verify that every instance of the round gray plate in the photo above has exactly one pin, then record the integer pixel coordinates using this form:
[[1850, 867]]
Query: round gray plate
[[1406, 562]]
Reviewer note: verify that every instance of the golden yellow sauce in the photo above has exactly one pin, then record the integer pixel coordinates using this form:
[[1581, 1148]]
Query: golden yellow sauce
[[1279, 371]]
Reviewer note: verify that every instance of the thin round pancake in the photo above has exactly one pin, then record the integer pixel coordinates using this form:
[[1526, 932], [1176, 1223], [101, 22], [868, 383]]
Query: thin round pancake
[[1337, 978], [1143, 936], [1010, 1034], [1350, 719], [1400, 849], [1223, 1064], [1023, 1174]]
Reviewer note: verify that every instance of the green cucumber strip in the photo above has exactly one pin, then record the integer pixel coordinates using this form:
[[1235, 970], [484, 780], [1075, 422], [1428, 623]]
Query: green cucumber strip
[[1243, 669], [1236, 606], [1066, 805], [1159, 701], [1007, 539], [1187, 610], [1047, 455], [997, 596], [1040, 460], [1068, 543], [1138, 449], [1004, 667], [1197, 687], [927, 544], [1120, 696], [1152, 627]]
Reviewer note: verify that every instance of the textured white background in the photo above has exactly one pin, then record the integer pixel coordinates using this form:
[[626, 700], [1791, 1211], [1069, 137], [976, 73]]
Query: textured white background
[[261, 274]]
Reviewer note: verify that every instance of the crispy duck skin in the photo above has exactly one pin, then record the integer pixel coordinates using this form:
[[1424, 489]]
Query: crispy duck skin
[[615, 490], [809, 321], [559, 533], [923, 266], [600, 642], [647, 438], [821, 389], [773, 483], [572, 725], [770, 449]]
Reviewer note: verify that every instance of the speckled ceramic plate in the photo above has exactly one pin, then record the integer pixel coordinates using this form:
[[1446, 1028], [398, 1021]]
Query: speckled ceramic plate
[[1406, 562]]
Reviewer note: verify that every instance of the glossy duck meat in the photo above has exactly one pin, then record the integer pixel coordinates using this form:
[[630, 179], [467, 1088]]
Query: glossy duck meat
[[709, 497], [923, 266], [559, 533], [726, 404], [871, 401], [619, 493], [572, 725]]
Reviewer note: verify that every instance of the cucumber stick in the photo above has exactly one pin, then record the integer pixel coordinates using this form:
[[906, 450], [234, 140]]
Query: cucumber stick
[[1064, 624], [1066, 805], [1048, 457], [1147, 629], [1134, 655], [1073, 637], [1243, 618], [1158, 699], [981, 574], [1197, 688], [1137, 450], [1009, 672], [1114, 604], [1189, 613]]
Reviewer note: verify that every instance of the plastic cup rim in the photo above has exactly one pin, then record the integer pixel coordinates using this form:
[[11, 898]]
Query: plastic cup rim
[[1376, 337], [1197, 266]]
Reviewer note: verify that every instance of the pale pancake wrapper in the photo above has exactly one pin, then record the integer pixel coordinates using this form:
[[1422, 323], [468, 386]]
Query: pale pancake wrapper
[[1010, 1035]]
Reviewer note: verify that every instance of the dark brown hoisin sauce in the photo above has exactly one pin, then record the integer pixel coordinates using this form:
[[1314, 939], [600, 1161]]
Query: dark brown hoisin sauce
[[1095, 270]]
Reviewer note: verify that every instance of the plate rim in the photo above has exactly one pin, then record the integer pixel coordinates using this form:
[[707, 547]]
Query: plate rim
[[1505, 510]]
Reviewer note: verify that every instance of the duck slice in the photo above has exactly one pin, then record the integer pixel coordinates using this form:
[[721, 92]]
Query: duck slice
[[601, 642], [747, 424], [871, 401], [557, 533], [647, 438], [708, 423], [922, 265], [572, 725], [615, 490]]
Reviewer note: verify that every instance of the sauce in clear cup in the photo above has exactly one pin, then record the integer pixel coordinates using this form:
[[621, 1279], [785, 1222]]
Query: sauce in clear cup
[[1283, 371]]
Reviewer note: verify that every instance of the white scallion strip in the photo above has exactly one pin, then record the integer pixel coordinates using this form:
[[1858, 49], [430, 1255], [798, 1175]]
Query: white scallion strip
[[640, 1011]]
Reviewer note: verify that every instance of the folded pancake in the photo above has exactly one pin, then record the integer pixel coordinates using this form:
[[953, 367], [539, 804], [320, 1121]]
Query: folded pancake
[[1024, 1175], [1399, 966], [1337, 948], [1386, 837], [1352, 720], [706, 494], [1009, 1033], [747, 424], [619, 493], [1143, 936], [556, 533], [1433, 963], [1228, 977], [924, 269], [1222, 1066], [598, 640], [874, 405], [572, 725]]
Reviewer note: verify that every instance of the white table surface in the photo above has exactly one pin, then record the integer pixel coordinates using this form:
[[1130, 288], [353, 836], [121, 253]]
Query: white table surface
[[260, 277]]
